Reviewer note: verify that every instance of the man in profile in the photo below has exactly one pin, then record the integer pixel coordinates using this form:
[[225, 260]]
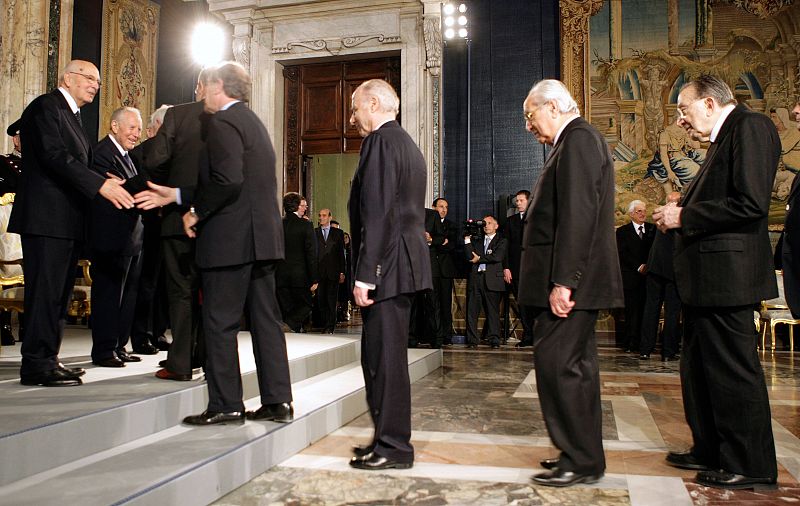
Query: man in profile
[[568, 272], [50, 211], [723, 269], [390, 264], [236, 206]]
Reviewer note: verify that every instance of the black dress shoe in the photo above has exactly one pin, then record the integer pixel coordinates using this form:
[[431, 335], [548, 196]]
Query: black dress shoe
[[162, 343], [162, 363], [109, 362], [281, 412], [74, 371], [362, 451], [560, 478], [374, 462], [685, 460], [213, 418], [127, 357], [54, 378], [145, 349], [523, 344], [7, 336], [549, 463], [724, 479]]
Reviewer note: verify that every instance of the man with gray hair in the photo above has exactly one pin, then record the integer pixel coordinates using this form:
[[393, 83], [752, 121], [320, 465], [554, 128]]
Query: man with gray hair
[[391, 263], [568, 272], [156, 120], [633, 245], [723, 269]]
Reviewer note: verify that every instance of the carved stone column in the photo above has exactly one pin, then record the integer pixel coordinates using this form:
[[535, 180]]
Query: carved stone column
[[242, 33], [574, 22], [432, 31]]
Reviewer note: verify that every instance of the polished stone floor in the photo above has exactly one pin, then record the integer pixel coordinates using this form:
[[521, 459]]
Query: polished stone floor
[[478, 436]]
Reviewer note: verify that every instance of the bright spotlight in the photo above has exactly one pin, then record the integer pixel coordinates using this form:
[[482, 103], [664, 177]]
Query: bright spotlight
[[462, 8], [462, 20], [208, 41], [449, 9], [449, 33], [448, 21], [462, 33]]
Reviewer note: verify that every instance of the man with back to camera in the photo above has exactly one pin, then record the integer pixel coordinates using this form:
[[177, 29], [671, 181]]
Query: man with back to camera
[[390, 264], [723, 269], [49, 213], [569, 271], [296, 275], [236, 205]]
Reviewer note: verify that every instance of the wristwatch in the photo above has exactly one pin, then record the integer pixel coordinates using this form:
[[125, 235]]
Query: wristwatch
[[192, 211]]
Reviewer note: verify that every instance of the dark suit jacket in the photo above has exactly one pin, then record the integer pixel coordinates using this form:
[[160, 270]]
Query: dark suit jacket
[[330, 254], [112, 230], [569, 225], [299, 269], [172, 158], [722, 250], [493, 257], [790, 251], [387, 214], [56, 183], [237, 193], [442, 263], [633, 251], [660, 260], [512, 230]]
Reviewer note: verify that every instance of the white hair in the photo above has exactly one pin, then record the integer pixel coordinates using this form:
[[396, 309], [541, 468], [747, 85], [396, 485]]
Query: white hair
[[158, 116], [122, 111], [552, 89], [633, 204], [384, 92]]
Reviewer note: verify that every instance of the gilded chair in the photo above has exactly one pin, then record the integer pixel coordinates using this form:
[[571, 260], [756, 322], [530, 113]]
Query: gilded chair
[[774, 312]]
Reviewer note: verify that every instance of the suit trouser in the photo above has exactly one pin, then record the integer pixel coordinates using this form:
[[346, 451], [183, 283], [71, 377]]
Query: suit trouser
[[724, 393], [115, 283], [182, 281], [479, 295], [146, 320], [443, 290], [634, 306], [568, 383], [524, 313], [384, 360], [226, 293], [327, 294], [49, 279], [295, 304], [660, 290]]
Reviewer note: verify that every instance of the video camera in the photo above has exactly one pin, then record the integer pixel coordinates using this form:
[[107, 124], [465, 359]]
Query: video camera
[[473, 227]]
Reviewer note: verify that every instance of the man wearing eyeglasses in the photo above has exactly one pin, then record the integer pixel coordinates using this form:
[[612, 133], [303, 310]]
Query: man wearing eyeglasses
[[49, 213], [723, 268]]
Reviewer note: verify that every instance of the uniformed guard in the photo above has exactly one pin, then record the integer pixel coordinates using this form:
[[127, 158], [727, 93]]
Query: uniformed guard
[[10, 245]]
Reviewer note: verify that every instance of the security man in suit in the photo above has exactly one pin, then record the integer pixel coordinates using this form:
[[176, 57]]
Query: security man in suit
[[633, 245], [723, 269], [390, 264], [49, 213], [512, 230], [443, 269], [569, 271], [331, 268], [485, 286], [235, 206], [115, 245]]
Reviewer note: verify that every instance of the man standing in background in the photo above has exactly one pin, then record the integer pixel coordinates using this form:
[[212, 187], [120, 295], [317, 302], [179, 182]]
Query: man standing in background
[[330, 251]]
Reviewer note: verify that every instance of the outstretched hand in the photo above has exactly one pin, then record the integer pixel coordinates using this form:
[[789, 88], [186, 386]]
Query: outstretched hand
[[113, 191], [156, 196]]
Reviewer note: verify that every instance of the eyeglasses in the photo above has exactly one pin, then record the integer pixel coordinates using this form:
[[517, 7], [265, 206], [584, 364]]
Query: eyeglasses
[[682, 109], [529, 115], [90, 78]]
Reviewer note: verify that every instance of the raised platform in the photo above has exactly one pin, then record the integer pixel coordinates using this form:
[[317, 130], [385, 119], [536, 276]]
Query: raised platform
[[118, 438]]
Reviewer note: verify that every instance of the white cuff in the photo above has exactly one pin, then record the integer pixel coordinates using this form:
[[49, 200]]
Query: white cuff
[[362, 284]]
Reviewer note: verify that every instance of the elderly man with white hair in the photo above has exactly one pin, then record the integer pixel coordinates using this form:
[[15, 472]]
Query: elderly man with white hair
[[633, 244], [568, 272]]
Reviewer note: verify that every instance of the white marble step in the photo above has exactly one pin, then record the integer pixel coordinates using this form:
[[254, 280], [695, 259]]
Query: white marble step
[[192, 466], [43, 428]]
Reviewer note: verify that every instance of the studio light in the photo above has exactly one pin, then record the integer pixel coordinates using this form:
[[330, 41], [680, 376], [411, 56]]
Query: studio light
[[449, 19], [208, 42]]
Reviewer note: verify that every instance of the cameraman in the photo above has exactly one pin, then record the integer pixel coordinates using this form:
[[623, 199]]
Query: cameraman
[[485, 286]]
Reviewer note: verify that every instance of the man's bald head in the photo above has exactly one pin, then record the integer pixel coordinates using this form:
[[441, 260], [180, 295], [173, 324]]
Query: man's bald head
[[81, 80]]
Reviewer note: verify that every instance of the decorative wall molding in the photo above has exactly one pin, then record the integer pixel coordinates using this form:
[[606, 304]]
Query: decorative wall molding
[[433, 44], [360, 39], [574, 22], [313, 45], [333, 46]]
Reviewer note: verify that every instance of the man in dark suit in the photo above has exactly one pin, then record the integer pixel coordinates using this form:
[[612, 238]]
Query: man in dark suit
[[443, 269], [485, 286], [723, 268], [633, 245], [235, 206], [660, 288], [390, 264], [790, 253], [172, 158], [512, 231], [296, 276], [115, 245], [49, 213], [331, 268], [568, 272]]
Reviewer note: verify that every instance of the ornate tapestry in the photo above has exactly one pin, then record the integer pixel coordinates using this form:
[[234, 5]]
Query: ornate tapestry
[[130, 40], [638, 54]]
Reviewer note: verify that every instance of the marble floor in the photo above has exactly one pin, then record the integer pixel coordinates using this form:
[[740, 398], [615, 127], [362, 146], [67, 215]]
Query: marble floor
[[479, 435]]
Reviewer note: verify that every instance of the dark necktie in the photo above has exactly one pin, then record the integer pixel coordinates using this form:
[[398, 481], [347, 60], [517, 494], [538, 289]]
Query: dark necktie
[[641, 231], [325, 234], [129, 165], [78, 117]]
